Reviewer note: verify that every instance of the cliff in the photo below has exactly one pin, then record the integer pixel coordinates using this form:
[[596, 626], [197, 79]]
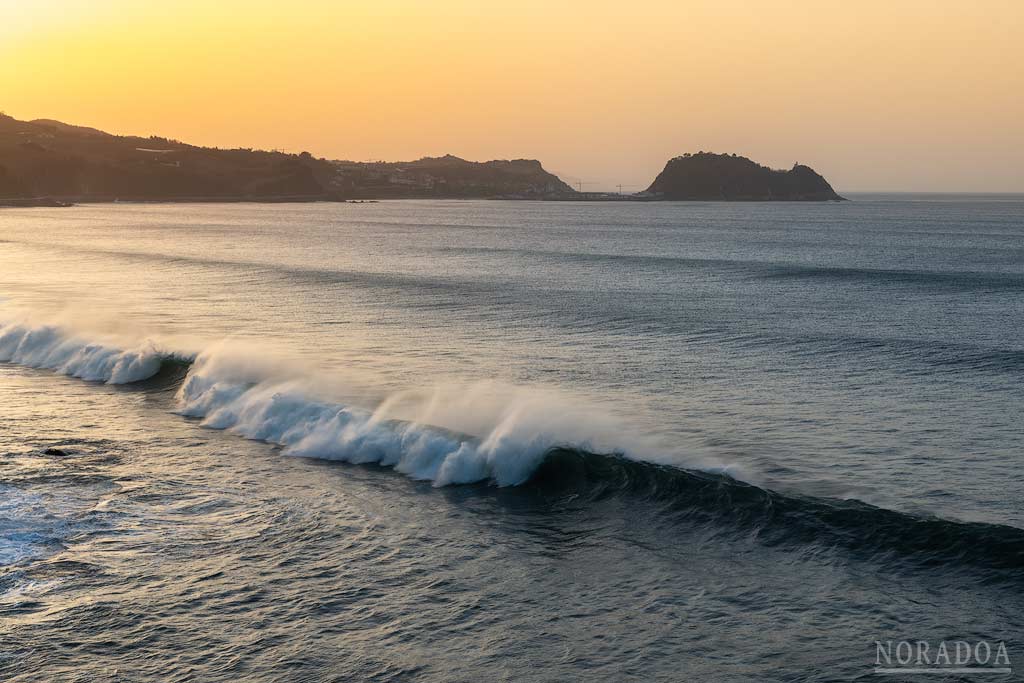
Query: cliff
[[725, 177], [45, 158]]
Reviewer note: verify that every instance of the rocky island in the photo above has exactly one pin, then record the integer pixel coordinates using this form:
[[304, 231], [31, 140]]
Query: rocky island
[[728, 177]]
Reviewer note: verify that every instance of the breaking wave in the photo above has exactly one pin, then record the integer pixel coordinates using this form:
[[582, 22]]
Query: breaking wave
[[453, 435], [508, 439], [55, 348], [414, 434]]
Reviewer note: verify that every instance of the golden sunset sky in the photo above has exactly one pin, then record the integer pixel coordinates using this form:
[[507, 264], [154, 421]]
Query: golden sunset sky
[[895, 95]]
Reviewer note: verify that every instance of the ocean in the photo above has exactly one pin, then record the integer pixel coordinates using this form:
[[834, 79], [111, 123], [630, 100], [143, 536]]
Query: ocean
[[510, 441]]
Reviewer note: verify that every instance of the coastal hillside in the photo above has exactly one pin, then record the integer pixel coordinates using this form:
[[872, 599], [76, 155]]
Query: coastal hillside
[[717, 177], [50, 162], [45, 158], [449, 176]]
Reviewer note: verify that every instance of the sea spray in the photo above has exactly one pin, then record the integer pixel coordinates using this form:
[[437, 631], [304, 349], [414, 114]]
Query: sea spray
[[415, 432], [449, 433], [56, 349]]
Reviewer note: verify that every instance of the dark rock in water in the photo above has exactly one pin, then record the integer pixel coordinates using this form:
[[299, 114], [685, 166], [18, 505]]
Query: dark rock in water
[[55, 451], [718, 177]]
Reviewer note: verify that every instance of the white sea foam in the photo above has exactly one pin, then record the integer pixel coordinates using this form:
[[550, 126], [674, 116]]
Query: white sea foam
[[98, 360], [414, 432], [447, 434], [31, 525]]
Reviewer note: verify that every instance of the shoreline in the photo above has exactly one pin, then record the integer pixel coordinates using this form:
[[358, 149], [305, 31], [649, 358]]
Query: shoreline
[[66, 202]]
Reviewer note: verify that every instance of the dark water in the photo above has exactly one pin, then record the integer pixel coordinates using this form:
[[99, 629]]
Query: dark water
[[461, 441]]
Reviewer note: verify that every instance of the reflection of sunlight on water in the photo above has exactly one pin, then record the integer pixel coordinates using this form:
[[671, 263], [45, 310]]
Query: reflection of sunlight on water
[[19, 590], [659, 317], [173, 551]]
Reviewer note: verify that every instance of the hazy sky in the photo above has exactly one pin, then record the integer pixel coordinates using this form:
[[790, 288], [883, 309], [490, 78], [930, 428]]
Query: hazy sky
[[894, 95]]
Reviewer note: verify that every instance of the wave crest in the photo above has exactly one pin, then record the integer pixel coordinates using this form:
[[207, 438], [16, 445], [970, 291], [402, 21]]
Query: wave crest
[[705, 498], [225, 396], [464, 436], [54, 348]]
